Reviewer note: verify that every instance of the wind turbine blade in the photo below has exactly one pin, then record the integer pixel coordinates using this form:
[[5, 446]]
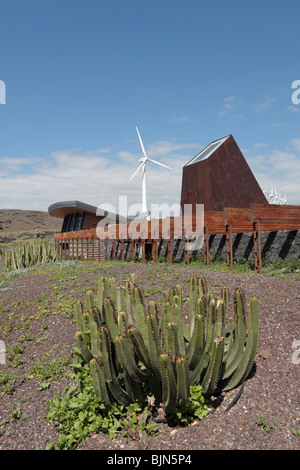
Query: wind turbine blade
[[158, 163], [136, 171], [141, 142]]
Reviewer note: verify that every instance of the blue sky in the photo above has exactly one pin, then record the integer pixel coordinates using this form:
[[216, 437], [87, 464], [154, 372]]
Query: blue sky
[[81, 75]]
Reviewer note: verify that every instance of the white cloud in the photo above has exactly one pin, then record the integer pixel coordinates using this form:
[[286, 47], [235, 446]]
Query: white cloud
[[230, 104], [296, 144], [263, 106], [95, 177], [273, 125], [166, 147], [260, 145], [280, 168], [229, 99], [126, 156], [180, 119], [293, 109], [99, 177]]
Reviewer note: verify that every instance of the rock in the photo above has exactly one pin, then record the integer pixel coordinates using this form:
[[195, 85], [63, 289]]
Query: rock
[[265, 354]]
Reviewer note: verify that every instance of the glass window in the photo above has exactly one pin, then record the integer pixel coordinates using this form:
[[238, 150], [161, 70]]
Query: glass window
[[72, 222], [79, 220], [66, 223], [205, 153]]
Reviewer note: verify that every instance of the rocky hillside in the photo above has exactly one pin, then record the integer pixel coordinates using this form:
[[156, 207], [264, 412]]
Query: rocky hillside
[[13, 222]]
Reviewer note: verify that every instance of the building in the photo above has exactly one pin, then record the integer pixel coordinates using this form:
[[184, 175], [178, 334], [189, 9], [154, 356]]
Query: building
[[220, 177], [78, 215], [237, 218]]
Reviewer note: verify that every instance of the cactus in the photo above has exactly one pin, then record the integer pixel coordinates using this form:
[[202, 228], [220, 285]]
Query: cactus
[[139, 346], [212, 373], [168, 382], [129, 345], [183, 381], [196, 345], [153, 343], [28, 254], [125, 352], [247, 356], [83, 346], [99, 382]]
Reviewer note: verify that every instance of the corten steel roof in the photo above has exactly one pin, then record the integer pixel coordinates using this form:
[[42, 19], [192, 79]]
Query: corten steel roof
[[219, 177], [207, 151], [61, 209]]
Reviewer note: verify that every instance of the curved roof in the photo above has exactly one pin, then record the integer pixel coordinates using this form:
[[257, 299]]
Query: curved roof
[[63, 208]]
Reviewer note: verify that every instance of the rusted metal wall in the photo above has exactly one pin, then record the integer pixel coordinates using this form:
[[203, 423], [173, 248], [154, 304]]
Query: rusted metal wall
[[222, 180]]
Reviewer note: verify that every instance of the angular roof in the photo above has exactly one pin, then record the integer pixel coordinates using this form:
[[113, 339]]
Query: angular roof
[[218, 177]]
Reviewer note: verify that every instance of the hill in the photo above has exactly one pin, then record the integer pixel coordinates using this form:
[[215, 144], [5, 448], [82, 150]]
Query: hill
[[14, 222]]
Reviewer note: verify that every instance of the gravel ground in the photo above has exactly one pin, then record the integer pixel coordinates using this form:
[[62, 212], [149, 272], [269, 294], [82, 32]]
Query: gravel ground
[[271, 393]]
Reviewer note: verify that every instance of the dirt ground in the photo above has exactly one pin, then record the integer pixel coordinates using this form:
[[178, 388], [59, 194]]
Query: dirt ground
[[266, 417]]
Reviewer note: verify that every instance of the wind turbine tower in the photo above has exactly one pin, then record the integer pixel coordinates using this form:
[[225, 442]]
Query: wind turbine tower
[[142, 167]]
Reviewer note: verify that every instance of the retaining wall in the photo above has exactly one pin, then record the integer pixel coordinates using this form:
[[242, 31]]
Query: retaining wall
[[285, 245]]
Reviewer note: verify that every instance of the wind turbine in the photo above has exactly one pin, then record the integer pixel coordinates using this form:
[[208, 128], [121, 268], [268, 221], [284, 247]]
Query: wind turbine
[[142, 167], [273, 197]]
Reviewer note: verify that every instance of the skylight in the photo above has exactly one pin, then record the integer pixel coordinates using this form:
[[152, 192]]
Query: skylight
[[205, 153]]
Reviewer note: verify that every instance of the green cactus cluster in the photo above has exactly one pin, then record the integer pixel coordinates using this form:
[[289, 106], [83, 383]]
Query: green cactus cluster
[[130, 345], [26, 255]]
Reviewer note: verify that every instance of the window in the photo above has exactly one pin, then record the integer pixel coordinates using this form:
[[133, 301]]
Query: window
[[205, 153], [66, 223], [73, 222], [79, 221]]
